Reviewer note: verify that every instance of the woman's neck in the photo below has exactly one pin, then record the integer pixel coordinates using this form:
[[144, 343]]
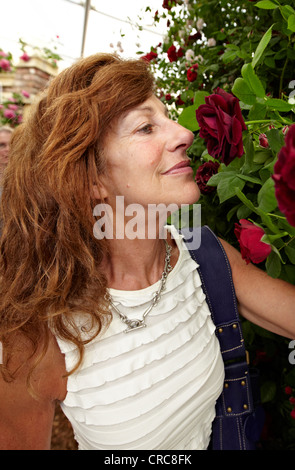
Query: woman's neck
[[136, 264]]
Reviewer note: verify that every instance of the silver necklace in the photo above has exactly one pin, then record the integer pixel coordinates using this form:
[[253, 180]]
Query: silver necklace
[[135, 324]]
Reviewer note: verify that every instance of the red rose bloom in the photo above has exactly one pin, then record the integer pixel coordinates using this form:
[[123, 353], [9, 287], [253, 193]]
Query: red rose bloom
[[191, 75], [221, 125], [284, 177], [204, 173], [263, 142], [249, 237], [172, 54], [150, 56]]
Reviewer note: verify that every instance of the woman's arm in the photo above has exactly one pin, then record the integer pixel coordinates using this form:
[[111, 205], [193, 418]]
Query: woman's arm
[[26, 420], [267, 302]]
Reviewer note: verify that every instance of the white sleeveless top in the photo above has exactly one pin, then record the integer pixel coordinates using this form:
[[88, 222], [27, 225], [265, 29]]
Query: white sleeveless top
[[154, 388]]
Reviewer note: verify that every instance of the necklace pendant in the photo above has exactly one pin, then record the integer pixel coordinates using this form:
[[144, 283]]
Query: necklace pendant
[[134, 325]]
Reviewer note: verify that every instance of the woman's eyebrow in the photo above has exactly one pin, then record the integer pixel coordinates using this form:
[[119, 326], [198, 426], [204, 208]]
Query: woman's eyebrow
[[151, 109]]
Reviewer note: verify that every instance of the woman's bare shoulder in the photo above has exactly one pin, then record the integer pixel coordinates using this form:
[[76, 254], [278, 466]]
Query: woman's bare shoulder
[[27, 412]]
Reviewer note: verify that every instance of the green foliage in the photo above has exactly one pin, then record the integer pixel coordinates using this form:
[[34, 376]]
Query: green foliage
[[246, 48]]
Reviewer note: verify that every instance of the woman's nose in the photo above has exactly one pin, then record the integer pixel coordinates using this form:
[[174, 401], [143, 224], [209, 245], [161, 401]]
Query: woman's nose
[[180, 137]]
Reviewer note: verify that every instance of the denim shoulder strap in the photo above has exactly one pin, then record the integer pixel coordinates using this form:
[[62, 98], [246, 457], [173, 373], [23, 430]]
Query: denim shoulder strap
[[215, 273], [239, 418]]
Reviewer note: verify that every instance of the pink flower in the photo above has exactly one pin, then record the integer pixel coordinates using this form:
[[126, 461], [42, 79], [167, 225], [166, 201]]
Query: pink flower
[[249, 237], [25, 94], [13, 107], [9, 114], [3, 54], [25, 57], [5, 65]]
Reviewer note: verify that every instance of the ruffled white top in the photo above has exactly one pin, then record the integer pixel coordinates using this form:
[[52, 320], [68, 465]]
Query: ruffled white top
[[155, 387]]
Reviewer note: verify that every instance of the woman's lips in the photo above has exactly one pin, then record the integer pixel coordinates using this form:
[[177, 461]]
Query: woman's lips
[[179, 168]]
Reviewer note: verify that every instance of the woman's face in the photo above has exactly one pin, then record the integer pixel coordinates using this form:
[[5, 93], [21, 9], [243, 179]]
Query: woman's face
[[146, 158]]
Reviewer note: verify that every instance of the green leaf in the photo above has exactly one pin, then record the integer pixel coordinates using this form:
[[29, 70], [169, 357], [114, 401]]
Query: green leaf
[[253, 81], [249, 153], [188, 118], [268, 391], [243, 92], [291, 23], [257, 111], [267, 238], [228, 185], [199, 98], [266, 199], [290, 252], [273, 265], [266, 5], [266, 219], [261, 156], [279, 105], [251, 179], [261, 46], [275, 139]]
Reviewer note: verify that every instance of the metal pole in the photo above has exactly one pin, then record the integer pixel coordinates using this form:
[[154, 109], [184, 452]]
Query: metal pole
[[86, 16]]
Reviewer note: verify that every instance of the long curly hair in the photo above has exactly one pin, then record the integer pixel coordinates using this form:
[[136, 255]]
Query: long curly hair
[[50, 260]]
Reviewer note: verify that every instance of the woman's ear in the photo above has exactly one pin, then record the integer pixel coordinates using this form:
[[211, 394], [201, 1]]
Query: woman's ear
[[99, 191]]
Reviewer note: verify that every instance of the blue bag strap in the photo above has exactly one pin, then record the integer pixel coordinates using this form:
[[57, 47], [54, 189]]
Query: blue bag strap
[[239, 417], [215, 273]]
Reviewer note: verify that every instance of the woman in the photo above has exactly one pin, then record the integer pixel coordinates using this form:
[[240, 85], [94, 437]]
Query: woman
[[99, 134]]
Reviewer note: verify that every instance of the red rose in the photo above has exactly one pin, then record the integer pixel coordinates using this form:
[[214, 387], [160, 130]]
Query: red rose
[[180, 52], [150, 56], [221, 125], [263, 142], [293, 413], [204, 173], [284, 177], [249, 237], [191, 75], [172, 54], [179, 101], [288, 390]]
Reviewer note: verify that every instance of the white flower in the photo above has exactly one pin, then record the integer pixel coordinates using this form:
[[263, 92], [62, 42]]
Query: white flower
[[200, 24], [189, 55], [211, 42], [199, 58]]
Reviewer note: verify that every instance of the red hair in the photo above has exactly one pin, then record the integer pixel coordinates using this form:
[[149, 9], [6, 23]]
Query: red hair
[[50, 260]]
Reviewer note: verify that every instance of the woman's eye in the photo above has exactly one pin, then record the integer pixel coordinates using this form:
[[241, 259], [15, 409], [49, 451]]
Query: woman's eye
[[147, 129]]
